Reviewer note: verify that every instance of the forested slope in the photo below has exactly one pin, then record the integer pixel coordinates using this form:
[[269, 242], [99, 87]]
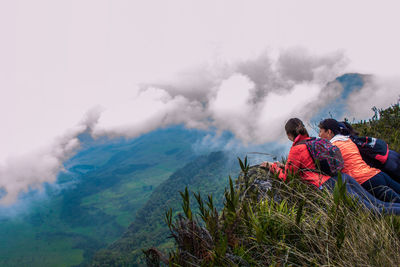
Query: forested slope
[[206, 174]]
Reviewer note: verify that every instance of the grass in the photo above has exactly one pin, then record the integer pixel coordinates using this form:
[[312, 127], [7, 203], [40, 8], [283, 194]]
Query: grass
[[28, 249], [288, 224]]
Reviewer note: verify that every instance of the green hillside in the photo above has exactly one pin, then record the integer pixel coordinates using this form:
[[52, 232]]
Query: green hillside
[[205, 174], [95, 201]]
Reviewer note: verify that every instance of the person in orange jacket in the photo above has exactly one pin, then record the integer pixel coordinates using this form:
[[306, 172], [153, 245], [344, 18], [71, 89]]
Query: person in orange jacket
[[376, 182]]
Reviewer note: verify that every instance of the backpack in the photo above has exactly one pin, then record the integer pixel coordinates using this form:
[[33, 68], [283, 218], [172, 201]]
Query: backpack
[[374, 151], [327, 157]]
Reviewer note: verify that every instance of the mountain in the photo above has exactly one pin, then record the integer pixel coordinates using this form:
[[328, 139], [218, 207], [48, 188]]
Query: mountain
[[94, 201], [206, 174], [337, 107]]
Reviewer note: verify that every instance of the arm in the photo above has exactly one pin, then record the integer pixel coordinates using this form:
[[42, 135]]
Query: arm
[[292, 164]]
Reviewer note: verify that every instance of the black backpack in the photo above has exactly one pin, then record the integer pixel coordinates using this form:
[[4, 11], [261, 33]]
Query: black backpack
[[374, 151]]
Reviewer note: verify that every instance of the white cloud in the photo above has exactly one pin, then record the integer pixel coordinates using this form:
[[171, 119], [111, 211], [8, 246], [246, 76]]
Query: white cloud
[[28, 171], [377, 92], [231, 106]]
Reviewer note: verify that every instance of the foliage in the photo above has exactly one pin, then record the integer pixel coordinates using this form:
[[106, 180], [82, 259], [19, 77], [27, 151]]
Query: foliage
[[205, 174], [290, 223], [386, 127]]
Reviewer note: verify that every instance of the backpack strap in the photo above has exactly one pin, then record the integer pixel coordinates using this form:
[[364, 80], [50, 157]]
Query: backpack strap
[[304, 142]]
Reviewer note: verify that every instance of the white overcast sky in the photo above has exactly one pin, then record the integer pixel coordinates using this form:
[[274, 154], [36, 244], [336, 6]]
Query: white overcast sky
[[59, 59]]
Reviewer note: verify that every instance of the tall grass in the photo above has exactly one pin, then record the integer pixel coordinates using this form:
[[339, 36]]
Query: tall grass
[[267, 222]]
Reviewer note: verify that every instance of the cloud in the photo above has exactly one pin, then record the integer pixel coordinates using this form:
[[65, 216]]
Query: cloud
[[251, 99], [148, 110], [230, 107], [28, 171], [377, 91]]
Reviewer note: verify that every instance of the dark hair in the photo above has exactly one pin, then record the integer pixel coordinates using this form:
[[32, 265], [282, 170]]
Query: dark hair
[[349, 130], [330, 124], [294, 127]]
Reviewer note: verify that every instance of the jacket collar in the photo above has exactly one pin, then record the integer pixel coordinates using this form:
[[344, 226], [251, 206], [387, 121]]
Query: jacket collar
[[300, 138], [339, 137]]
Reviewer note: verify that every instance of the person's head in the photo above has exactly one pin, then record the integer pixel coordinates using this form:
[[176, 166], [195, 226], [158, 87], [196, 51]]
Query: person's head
[[328, 128], [349, 130], [295, 127]]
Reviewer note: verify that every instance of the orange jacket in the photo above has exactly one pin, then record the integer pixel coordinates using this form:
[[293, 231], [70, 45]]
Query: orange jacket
[[354, 165], [298, 160]]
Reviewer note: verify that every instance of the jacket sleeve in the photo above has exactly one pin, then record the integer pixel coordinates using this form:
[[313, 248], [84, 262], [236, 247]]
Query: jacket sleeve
[[292, 164], [382, 158]]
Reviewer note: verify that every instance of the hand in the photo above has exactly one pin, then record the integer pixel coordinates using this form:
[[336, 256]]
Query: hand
[[280, 164]]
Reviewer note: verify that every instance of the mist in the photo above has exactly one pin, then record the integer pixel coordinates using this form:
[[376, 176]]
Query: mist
[[379, 92]]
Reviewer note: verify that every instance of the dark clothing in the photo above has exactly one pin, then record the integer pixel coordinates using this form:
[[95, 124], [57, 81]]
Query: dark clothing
[[374, 151], [383, 187], [392, 166], [356, 191]]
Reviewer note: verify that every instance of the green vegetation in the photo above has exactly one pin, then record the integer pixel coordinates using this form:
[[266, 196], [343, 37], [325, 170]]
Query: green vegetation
[[386, 127], [283, 224], [206, 174], [106, 185], [268, 222]]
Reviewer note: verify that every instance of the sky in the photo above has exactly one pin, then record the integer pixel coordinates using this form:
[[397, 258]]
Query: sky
[[124, 68]]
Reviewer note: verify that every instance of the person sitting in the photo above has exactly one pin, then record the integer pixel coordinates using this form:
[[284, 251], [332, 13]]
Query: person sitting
[[376, 182]]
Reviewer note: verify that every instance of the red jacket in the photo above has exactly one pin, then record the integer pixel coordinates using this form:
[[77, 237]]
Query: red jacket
[[300, 158]]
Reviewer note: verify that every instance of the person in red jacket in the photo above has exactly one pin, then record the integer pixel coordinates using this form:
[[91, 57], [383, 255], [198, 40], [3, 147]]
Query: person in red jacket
[[299, 158]]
